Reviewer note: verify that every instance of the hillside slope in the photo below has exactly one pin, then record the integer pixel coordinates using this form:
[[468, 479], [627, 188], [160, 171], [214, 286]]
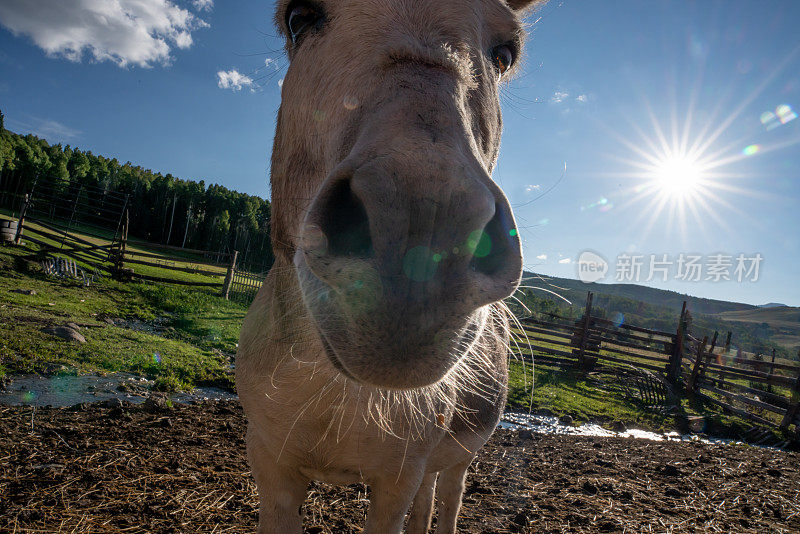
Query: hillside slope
[[784, 320], [754, 328], [575, 291]]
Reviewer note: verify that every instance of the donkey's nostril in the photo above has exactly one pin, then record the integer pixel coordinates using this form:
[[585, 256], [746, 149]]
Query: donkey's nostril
[[492, 245], [343, 220]]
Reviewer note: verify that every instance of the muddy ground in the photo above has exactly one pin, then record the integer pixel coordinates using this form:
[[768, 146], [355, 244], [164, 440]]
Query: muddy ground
[[152, 469]]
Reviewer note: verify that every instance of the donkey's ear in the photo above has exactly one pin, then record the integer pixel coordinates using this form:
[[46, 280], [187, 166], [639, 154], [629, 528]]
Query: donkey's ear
[[525, 5]]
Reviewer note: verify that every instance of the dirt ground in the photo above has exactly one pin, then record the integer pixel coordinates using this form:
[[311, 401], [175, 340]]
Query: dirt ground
[[152, 469]]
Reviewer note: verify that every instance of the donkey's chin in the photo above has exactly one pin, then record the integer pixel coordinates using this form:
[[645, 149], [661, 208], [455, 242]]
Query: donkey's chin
[[378, 344], [396, 363]]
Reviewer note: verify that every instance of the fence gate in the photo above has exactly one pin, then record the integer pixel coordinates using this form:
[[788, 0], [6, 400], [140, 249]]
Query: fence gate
[[244, 286]]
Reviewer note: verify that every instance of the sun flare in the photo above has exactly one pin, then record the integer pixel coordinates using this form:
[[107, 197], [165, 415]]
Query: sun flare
[[683, 176], [678, 176]]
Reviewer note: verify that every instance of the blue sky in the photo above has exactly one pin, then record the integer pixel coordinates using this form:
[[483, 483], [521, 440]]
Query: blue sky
[[192, 88]]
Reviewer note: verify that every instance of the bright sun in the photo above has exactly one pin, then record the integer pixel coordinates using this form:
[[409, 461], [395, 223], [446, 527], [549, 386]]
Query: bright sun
[[678, 176]]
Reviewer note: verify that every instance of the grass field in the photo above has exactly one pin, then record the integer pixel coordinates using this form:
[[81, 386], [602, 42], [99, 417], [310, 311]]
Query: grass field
[[183, 337], [136, 251]]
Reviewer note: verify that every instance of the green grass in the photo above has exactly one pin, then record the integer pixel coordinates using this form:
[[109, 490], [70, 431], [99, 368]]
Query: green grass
[[574, 394], [173, 258], [200, 335], [585, 399]]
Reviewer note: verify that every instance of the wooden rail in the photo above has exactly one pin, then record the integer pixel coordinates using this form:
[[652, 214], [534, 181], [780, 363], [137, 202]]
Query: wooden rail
[[734, 386]]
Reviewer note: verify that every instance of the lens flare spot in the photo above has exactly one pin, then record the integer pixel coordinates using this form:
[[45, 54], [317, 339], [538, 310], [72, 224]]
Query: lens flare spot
[[751, 150], [156, 357], [418, 264], [785, 113], [600, 204], [618, 319], [479, 243], [28, 397], [437, 257], [350, 103], [513, 232]]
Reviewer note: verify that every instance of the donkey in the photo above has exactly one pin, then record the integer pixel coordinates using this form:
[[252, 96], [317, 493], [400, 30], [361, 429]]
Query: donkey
[[376, 350]]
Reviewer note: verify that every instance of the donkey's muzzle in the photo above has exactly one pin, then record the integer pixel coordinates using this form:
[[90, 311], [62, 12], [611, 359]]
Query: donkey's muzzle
[[425, 236]]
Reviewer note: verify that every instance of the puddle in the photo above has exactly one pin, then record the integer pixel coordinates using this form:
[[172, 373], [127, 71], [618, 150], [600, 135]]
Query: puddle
[[34, 390], [59, 391], [542, 424]]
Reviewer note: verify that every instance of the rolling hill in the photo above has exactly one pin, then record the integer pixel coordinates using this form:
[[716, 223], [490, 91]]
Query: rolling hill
[[754, 328], [784, 320], [575, 291]]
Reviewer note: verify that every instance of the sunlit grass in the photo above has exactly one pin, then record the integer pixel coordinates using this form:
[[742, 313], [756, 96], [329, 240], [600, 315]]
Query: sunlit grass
[[201, 331]]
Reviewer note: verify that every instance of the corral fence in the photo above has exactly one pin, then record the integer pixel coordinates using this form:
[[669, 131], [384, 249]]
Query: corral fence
[[245, 286], [667, 365], [590, 342], [764, 392], [92, 229]]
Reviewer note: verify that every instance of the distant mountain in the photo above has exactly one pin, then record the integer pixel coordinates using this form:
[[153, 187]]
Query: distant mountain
[[777, 315], [754, 328], [783, 322], [575, 291], [772, 305]]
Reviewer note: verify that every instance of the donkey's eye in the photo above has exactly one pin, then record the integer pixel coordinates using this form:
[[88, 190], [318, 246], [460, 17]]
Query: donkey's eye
[[503, 57], [301, 17]]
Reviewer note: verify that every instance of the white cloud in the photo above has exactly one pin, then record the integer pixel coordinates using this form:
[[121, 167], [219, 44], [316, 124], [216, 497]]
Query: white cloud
[[541, 257], [269, 61], [559, 96], [565, 260], [582, 99], [280, 83], [48, 129], [125, 32], [532, 187], [203, 5], [234, 80]]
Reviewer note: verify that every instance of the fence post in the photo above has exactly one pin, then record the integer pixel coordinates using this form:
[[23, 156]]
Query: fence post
[[676, 358], [584, 334], [791, 411], [21, 220], [771, 372], [123, 245], [226, 287], [701, 350], [119, 258], [710, 354]]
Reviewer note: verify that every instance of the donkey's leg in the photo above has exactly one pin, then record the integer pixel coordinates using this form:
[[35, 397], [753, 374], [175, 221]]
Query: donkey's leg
[[388, 503], [449, 491], [281, 492], [420, 518]]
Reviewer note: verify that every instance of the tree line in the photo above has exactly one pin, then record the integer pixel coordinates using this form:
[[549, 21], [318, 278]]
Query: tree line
[[162, 208]]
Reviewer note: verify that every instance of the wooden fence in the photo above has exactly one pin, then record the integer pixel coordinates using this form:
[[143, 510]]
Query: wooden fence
[[592, 341], [57, 241], [766, 393], [245, 286], [763, 392], [126, 259]]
